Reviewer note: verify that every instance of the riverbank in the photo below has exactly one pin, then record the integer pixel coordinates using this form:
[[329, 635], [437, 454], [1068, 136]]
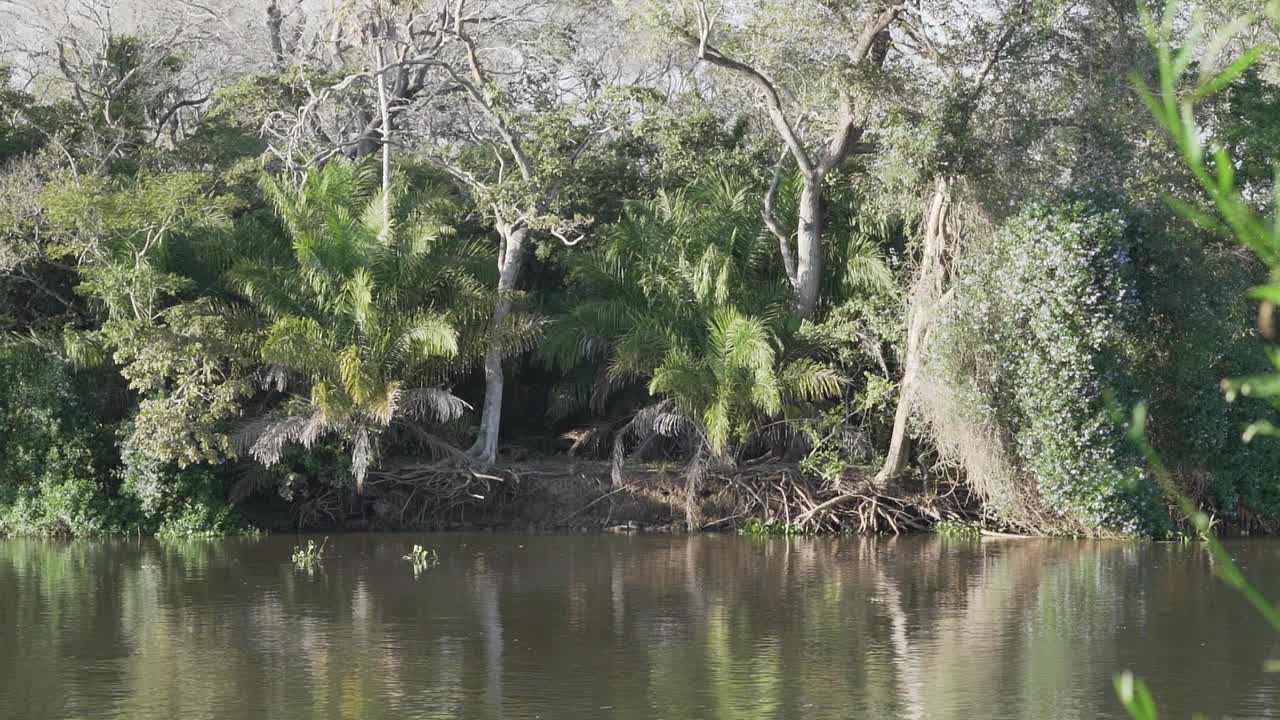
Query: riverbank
[[593, 495]]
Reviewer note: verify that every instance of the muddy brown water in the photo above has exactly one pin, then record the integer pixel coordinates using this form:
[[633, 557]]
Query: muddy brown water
[[545, 626]]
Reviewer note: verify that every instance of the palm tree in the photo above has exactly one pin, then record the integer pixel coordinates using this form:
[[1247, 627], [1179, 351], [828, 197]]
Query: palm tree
[[364, 313], [683, 300]]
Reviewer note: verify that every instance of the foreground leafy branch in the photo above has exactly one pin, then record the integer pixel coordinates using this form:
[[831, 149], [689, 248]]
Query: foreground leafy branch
[[1175, 109]]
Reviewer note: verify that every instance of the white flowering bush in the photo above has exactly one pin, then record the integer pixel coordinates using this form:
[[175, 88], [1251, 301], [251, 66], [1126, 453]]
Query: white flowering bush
[[1043, 321]]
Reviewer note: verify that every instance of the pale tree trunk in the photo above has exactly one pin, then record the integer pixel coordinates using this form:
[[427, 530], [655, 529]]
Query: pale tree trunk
[[804, 265], [692, 482], [871, 46], [925, 297], [808, 279], [384, 112], [509, 259]]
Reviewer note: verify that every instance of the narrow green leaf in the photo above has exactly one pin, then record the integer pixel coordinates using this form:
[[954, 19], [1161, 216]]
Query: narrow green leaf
[[1202, 219], [1228, 74], [1261, 427], [1135, 697], [1226, 171], [1269, 293]]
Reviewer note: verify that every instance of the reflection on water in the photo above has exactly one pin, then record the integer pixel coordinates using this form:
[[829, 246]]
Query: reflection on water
[[625, 627]]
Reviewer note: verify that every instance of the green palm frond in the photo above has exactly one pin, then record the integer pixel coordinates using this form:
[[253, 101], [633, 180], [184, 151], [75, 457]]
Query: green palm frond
[[360, 382], [366, 309], [83, 349], [268, 287], [742, 343], [377, 218], [426, 336], [806, 380], [519, 333], [719, 422], [576, 393], [866, 268], [383, 404], [685, 379], [641, 348], [358, 296], [682, 299], [300, 343]]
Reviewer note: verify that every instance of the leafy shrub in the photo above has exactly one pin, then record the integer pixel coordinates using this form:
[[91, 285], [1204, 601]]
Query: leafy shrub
[[54, 450], [1064, 302], [1199, 331], [1047, 314], [175, 501]]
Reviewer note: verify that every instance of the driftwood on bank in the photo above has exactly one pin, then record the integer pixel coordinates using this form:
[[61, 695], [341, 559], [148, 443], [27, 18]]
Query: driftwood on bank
[[585, 494]]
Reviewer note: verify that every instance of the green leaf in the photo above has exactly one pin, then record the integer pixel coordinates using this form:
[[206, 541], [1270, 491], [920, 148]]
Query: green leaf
[[1226, 171], [1228, 74], [1270, 293], [1259, 386], [1138, 425], [1204, 220], [1261, 427], [1135, 697]]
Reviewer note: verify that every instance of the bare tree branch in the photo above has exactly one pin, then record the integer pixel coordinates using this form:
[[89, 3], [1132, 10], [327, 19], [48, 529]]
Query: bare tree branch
[[771, 219]]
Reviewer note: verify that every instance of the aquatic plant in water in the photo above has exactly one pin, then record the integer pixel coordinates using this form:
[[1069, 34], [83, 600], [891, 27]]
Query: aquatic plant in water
[[422, 559], [764, 528], [958, 529], [308, 557]]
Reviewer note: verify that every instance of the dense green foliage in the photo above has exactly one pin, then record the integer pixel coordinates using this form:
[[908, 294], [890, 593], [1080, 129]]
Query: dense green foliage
[[55, 451], [1048, 310], [283, 290], [365, 313], [678, 300]]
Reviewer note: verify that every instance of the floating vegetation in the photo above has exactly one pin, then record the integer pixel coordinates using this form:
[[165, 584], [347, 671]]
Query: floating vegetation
[[308, 557], [958, 529], [422, 559], [765, 528]]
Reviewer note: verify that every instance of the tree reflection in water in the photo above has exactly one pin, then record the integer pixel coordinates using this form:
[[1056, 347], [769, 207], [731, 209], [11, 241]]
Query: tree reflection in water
[[627, 627]]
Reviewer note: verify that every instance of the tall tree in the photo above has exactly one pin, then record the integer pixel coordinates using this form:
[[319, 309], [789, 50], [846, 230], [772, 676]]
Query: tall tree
[[968, 74], [857, 53], [524, 101], [365, 316]]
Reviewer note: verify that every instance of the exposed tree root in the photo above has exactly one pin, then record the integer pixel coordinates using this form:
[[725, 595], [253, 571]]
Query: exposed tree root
[[567, 494], [782, 493]]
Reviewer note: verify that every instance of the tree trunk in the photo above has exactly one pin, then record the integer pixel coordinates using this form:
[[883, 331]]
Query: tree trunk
[[899, 443], [809, 249], [926, 293], [384, 113], [275, 23], [509, 259], [692, 482]]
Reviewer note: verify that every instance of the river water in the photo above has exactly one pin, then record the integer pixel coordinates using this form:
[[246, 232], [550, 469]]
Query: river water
[[538, 626]]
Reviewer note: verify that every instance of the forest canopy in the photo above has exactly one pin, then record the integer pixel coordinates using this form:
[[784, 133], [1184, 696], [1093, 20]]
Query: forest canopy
[[813, 264]]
